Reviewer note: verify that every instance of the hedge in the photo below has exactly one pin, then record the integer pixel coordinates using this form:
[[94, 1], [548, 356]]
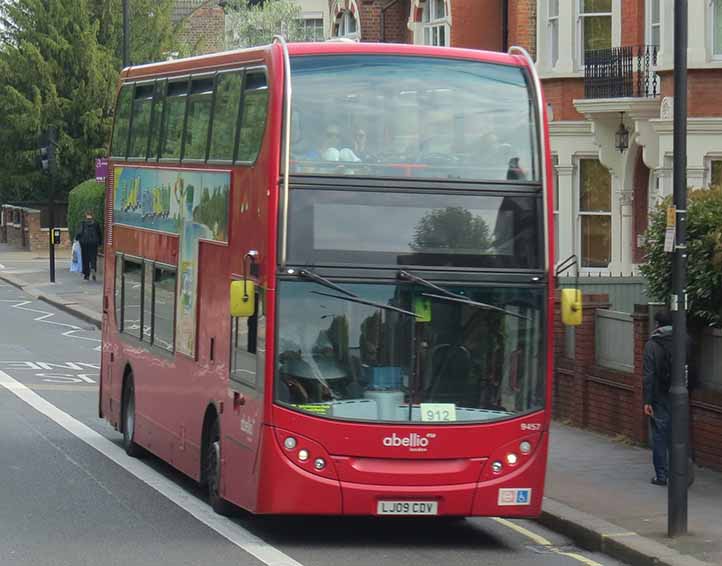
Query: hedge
[[88, 195], [704, 243]]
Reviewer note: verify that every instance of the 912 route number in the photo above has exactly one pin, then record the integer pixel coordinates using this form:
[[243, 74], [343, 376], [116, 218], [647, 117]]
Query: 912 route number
[[531, 426]]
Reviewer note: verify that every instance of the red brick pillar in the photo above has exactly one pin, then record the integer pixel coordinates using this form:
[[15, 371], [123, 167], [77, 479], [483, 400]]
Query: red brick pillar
[[585, 355], [641, 333]]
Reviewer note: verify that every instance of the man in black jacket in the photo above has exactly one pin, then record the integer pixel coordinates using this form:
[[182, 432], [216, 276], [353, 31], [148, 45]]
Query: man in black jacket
[[657, 379], [90, 238]]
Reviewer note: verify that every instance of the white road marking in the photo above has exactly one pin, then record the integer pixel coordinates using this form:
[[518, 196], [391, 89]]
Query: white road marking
[[225, 527], [541, 541], [2, 266], [45, 315]]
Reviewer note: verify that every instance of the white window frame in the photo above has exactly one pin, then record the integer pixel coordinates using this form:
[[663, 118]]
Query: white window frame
[[580, 29], [712, 8], [432, 22], [553, 32], [313, 17], [651, 24], [343, 19], [708, 160], [580, 214]]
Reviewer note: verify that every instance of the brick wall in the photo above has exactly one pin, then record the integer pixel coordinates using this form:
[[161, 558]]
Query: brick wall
[[633, 22], [22, 230], [610, 402], [522, 24], [703, 88], [477, 24], [204, 30], [561, 94]]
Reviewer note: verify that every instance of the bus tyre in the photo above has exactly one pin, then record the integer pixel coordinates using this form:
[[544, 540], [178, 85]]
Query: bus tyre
[[131, 448], [213, 472]]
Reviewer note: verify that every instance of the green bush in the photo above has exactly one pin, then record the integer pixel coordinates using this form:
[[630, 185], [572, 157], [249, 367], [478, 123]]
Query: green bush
[[704, 243], [88, 195]]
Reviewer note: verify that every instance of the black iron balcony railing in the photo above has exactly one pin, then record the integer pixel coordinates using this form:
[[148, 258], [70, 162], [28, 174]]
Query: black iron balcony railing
[[621, 72]]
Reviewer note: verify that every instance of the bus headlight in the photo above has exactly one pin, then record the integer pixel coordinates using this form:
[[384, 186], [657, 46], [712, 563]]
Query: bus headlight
[[303, 455], [497, 467], [319, 464], [511, 459]]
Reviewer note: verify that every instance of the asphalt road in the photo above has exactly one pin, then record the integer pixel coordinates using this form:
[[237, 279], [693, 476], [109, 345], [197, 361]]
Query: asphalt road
[[70, 495]]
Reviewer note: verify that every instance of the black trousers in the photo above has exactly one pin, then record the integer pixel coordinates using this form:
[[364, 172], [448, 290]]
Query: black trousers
[[90, 258]]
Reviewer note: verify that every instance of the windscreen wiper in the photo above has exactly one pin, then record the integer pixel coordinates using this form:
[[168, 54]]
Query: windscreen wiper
[[347, 295], [313, 276], [447, 295], [355, 299]]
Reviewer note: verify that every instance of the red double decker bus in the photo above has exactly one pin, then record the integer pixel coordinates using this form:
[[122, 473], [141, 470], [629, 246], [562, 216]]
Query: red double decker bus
[[327, 278]]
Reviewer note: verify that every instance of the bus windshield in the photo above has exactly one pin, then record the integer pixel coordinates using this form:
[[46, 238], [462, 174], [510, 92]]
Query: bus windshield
[[421, 117], [459, 354]]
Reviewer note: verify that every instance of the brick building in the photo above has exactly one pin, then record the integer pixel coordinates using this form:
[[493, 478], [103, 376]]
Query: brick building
[[473, 24], [201, 25], [606, 192]]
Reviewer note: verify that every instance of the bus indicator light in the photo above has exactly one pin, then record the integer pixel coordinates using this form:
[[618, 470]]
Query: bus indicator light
[[289, 443], [525, 447]]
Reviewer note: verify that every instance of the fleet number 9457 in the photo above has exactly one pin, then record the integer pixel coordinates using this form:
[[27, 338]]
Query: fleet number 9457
[[531, 426]]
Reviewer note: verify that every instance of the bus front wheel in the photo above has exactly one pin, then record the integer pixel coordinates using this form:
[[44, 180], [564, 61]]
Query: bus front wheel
[[131, 448], [213, 472]]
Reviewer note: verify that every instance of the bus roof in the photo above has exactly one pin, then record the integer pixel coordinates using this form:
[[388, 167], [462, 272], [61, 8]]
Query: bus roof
[[259, 54]]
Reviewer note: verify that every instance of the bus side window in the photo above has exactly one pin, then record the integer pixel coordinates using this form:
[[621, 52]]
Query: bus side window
[[199, 118], [174, 112], [119, 145], [155, 119], [140, 123], [248, 345], [225, 116], [253, 121]]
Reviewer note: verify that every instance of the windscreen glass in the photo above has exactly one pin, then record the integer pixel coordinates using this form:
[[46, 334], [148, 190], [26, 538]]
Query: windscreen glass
[[407, 353], [420, 117]]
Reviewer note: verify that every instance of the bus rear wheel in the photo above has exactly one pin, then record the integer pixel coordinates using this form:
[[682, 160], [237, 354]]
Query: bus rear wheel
[[131, 448], [213, 472]]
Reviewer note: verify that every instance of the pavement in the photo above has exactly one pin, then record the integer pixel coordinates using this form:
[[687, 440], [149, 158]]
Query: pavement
[[598, 490]]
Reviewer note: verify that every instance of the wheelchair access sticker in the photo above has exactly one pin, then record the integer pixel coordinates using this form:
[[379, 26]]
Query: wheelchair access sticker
[[516, 496]]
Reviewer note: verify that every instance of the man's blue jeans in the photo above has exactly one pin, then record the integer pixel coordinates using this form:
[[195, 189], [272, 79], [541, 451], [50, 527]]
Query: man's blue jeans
[[660, 437]]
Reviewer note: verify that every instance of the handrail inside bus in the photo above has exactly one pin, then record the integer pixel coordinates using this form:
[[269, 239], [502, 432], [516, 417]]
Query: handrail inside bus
[[516, 49], [286, 144]]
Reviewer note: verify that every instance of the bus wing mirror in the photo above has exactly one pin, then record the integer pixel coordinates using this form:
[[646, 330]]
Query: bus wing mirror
[[572, 307], [243, 298]]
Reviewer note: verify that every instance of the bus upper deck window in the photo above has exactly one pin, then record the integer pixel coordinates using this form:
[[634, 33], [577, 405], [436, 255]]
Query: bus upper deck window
[[253, 122], [225, 116], [140, 125], [119, 145], [199, 118], [173, 118]]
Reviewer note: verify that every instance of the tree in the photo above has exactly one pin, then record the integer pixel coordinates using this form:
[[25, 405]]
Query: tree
[[53, 73], [704, 243], [451, 228], [152, 37], [255, 23]]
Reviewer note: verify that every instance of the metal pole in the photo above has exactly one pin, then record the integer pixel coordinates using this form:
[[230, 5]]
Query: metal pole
[[679, 402], [126, 34], [51, 201]]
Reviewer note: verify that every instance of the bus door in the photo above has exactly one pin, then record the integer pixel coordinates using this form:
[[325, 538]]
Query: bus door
[[242, 425]]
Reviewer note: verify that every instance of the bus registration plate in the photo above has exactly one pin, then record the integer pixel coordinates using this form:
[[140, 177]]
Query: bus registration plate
[[407, 508]]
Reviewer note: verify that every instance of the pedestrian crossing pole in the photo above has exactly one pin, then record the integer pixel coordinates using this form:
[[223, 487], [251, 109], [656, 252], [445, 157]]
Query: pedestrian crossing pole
[[679, 398]]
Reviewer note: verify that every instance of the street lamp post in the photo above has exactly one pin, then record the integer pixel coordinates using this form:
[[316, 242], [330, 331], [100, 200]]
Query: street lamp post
[[679, 398]]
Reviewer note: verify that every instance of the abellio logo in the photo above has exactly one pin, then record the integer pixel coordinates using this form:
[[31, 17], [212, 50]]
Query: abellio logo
[[412, 441]]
